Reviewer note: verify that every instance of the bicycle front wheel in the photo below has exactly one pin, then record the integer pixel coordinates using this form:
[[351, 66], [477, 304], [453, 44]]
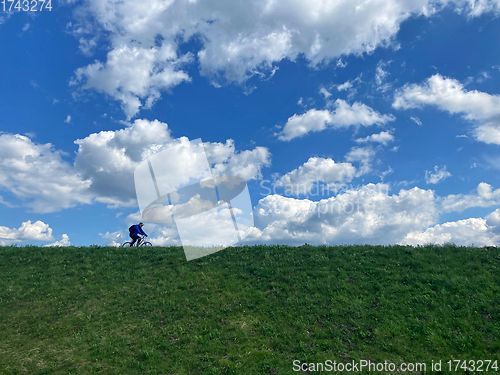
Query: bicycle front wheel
[[145, 243]]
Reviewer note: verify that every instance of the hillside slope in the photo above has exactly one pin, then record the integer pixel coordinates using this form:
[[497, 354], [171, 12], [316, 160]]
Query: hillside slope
[[247, 310]]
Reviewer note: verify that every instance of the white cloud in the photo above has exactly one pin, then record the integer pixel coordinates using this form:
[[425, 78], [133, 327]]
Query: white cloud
[[476, 8], [489, 133], [68, 119], [343, 116], [239, 39], [349, 86], [28, 231], [26, 27], [87, 45], [62, 243], [312, 121], [346, 115], [245, 164], [366, 215], [483, 77], [341, 64], [325, 93], [385, 173], [485, 197], [493, 220], [447, 94], [363, 155], [371, 215], [5, 203], [109, 159], [416, 120], [345, 86], [438, 175], [315, 170], [134, 75], [115, 239], [384, 138], [5, 16], [165, 236], [381, 76], [473, 231], [37, 174], [103, 168]]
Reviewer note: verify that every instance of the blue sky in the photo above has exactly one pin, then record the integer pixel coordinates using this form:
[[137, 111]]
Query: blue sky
[[395, 105]]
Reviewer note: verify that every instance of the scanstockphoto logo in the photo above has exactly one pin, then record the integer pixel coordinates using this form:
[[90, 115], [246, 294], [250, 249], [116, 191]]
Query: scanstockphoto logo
[[176, 187]]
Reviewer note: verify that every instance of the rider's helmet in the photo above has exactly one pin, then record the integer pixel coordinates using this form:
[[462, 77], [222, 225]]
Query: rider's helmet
[[141, 224]]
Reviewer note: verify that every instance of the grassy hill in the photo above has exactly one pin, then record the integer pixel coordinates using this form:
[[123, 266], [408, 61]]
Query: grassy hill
[[247, 310]]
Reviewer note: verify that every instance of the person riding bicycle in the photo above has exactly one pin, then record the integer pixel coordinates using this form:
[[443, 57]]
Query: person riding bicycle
[[134, 232]]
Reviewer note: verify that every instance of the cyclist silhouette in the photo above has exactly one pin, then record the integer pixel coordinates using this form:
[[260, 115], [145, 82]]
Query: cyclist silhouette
[[134, 232]]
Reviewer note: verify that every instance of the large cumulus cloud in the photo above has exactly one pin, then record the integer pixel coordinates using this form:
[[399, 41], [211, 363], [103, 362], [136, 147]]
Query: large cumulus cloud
[[238, 39], [365, 215], [103, 168]]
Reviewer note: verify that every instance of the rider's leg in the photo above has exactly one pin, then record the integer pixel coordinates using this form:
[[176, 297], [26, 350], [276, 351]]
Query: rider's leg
[[134, 239]]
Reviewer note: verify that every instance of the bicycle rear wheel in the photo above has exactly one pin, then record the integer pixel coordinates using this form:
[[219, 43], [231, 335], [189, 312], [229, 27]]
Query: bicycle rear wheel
[[127, 244]]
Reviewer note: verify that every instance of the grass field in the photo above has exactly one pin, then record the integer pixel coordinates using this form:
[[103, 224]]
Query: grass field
[[245, 310]]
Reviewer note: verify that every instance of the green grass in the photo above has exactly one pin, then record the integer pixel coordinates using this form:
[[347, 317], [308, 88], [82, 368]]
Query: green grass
[[248, 310]]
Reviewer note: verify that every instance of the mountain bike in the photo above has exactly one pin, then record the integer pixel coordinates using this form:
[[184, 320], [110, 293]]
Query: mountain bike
[[141, 242]]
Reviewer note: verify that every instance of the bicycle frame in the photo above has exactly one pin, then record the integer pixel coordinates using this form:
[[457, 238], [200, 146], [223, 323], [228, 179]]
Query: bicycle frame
[[140, 241]]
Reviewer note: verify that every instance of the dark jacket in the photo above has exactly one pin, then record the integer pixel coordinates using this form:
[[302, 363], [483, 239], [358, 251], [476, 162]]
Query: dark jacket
[[136, 229]]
